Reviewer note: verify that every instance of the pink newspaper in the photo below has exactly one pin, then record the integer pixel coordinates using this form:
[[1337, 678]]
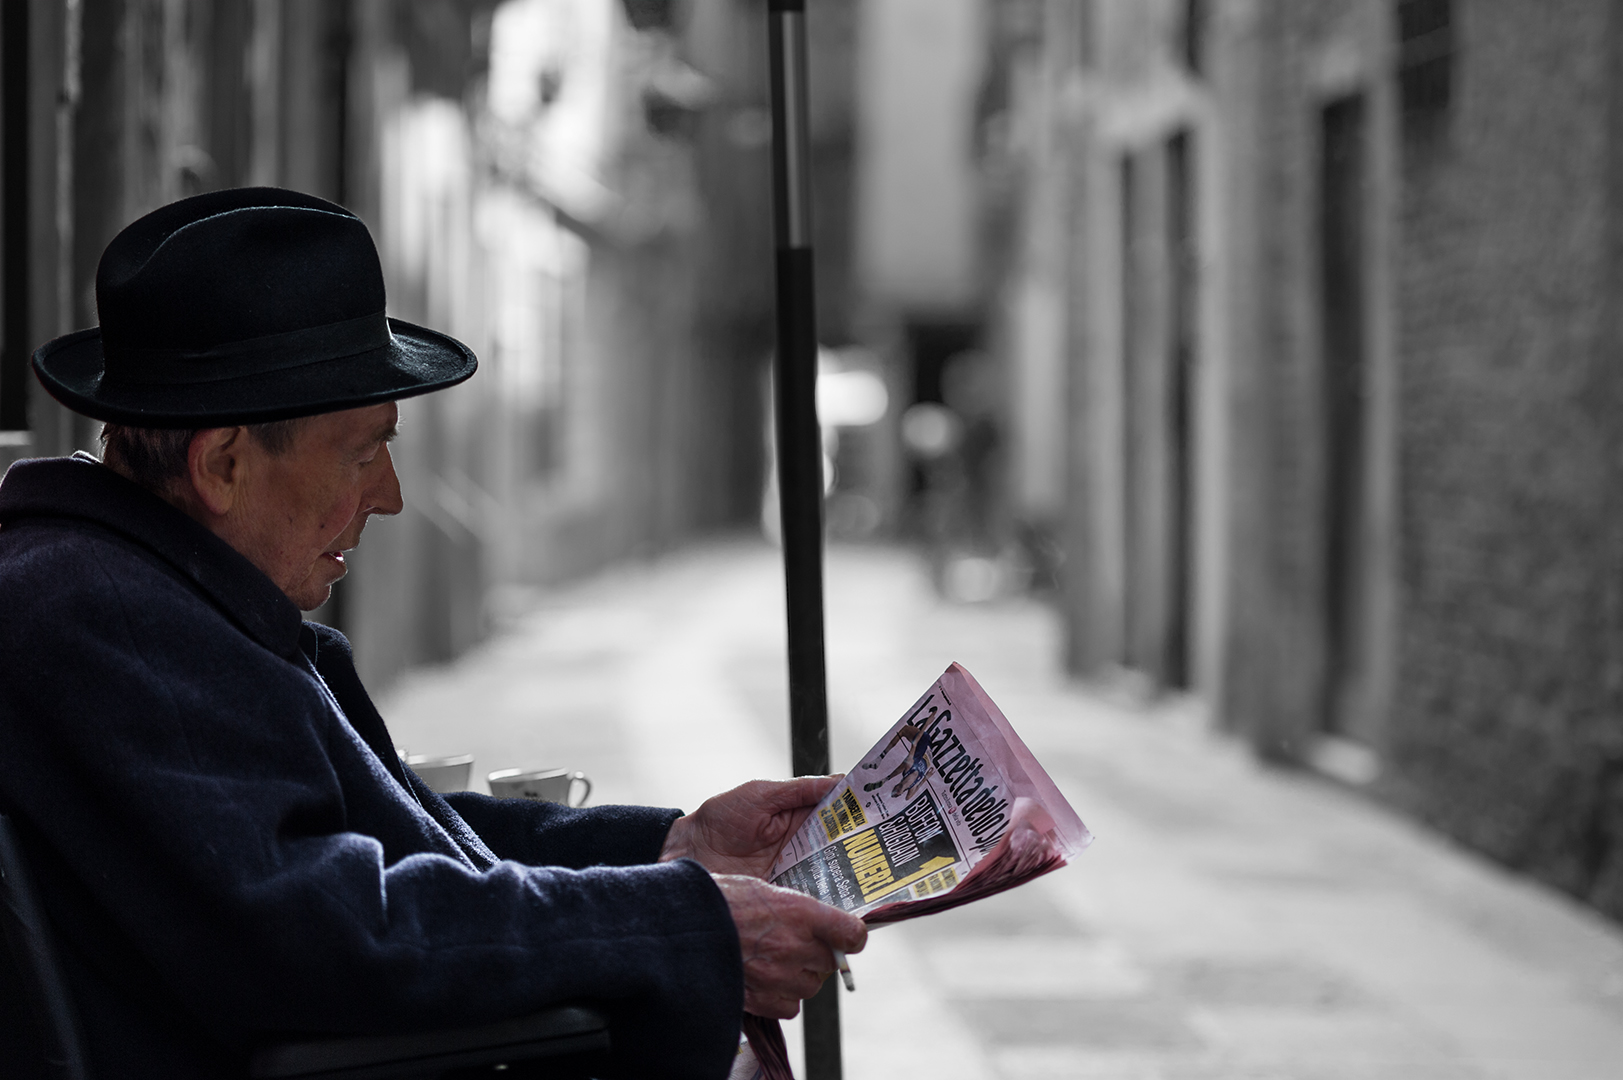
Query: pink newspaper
[[950, 806]]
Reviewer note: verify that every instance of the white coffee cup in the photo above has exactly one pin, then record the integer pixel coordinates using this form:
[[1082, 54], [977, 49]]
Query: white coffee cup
[[443, 774], [546, 785]]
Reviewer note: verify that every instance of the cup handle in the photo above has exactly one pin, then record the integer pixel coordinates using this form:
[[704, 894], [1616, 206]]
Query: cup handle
[[584, 795]]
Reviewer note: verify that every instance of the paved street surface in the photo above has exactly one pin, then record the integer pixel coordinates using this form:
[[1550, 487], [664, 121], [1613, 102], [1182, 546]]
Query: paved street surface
[[1230, 921]]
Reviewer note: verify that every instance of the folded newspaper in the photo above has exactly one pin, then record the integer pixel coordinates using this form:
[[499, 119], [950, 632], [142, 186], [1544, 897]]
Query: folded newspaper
[[949, 807]]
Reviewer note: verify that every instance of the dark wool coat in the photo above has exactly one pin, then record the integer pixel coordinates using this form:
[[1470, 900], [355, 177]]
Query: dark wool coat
[[229, 847]]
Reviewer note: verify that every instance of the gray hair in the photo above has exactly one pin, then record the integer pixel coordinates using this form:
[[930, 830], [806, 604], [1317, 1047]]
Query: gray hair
[[156, 458]]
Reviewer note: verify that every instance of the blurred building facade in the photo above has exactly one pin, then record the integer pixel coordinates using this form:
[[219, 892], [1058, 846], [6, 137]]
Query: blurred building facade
[[553, 181], [1312, 314]]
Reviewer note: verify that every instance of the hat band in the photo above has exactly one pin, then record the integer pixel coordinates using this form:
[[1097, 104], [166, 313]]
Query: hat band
[[239, 359]]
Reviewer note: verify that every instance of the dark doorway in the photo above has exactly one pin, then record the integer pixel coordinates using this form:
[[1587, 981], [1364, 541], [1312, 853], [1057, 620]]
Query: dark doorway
[[941, 507], [931, 345], [1343, 297], [1132, 393], [1183, 305]]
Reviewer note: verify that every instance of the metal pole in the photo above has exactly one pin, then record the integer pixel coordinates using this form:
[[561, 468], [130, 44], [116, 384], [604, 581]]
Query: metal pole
[[800, 454]]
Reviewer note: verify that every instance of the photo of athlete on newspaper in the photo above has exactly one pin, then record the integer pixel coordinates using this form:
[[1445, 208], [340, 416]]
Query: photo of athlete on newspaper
[[915, 770]]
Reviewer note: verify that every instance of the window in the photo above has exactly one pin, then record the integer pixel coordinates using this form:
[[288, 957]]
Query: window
[[1194, 35], [1425, 59]]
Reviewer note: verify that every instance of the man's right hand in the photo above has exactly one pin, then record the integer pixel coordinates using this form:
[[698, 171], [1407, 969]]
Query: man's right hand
[[787, 939]]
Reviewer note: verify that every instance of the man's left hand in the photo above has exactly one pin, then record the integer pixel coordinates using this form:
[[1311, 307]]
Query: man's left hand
[[741, 831]]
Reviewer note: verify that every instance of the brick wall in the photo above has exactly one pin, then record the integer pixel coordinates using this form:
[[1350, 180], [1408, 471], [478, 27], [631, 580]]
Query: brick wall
[[1489, 668], [1506, 729]]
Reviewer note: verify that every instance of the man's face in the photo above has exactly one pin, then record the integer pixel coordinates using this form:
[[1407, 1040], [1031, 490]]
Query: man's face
[[301, 510]]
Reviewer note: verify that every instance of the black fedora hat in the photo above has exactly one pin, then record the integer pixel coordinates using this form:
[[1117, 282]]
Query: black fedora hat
[[238, 307]]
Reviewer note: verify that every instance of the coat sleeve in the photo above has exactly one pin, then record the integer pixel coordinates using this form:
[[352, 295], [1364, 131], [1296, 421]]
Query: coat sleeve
[[551, 835], [254, 853], [541, 834]]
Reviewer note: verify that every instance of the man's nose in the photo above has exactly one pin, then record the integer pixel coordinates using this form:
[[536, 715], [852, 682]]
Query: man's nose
[[385, 494]]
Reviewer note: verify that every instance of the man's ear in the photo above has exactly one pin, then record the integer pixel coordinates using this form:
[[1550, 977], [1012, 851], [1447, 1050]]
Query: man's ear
[[215, 464]]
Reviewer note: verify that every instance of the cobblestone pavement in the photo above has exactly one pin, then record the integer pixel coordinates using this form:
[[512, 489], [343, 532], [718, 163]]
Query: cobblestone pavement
[[1231, 920]]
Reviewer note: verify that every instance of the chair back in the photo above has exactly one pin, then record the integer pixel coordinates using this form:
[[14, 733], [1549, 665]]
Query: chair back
[[38, 966]]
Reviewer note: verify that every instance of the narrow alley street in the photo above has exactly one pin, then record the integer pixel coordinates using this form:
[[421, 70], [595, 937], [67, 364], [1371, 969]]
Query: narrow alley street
[[1230, 921]]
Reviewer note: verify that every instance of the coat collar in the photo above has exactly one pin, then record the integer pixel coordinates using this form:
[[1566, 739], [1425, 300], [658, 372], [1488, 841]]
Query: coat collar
[[82, 487]]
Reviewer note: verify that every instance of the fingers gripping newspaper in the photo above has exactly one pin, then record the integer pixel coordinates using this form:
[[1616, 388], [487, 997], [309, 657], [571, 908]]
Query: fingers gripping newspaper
[[949, 807]]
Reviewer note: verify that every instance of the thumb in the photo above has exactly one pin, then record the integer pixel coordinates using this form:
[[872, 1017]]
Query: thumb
[[838, 929], [804, 791]]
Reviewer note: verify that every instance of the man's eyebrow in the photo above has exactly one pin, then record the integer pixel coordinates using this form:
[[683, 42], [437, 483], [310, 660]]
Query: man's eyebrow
[[383, 433]]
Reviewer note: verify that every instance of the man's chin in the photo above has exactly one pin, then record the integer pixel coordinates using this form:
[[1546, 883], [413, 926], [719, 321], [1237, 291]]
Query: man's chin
[[308, 598], [316, 589]]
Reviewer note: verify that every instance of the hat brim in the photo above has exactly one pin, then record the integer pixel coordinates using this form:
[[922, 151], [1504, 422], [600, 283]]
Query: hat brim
[[417, 361]]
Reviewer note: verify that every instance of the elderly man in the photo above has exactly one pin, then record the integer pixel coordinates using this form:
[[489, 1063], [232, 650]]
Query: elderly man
[[227, 842]]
